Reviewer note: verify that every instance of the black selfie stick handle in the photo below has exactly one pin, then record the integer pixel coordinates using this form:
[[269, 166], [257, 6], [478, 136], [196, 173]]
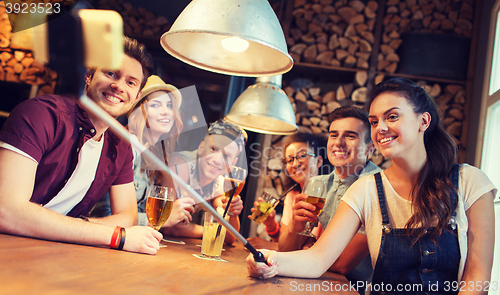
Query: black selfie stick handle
[[258, 256], [224, 215]]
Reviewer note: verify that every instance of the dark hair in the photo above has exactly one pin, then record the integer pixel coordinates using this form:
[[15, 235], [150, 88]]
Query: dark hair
[[313, 140], [316, 142], [138, 52], [432, 193], [352, 112]]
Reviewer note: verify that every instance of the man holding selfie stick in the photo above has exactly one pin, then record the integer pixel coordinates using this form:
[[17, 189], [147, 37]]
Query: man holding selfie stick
[[58, 161]]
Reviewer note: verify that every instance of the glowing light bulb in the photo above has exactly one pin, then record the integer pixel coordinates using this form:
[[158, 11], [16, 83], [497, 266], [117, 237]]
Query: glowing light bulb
[[235, 44]]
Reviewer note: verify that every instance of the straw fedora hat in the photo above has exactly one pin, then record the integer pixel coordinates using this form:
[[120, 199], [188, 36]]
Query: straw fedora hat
[[155, 83]]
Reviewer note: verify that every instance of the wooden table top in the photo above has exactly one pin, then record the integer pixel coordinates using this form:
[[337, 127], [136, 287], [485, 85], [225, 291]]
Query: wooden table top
[[32, 266]]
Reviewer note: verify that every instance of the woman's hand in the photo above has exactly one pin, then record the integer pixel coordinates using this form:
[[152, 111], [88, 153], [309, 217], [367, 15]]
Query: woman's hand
[[235, 207], [261, 270], [269, 222], [181, 212]]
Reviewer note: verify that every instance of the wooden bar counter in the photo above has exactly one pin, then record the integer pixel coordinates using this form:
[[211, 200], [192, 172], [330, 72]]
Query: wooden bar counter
[[32, 266]]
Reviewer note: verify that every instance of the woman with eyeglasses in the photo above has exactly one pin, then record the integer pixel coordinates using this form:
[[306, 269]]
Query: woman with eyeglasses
[[302, 160]]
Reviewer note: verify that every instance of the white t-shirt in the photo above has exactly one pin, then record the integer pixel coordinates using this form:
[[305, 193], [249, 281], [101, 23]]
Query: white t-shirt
[[363, 199], [80, 181], [14, 149]]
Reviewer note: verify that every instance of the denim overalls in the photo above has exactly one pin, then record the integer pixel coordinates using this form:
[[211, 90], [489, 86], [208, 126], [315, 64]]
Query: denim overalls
[[424, 268]]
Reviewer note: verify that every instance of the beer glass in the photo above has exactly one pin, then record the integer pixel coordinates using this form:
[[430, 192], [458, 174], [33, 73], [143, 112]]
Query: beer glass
[[234, 180], [159, 205], [315, 189]]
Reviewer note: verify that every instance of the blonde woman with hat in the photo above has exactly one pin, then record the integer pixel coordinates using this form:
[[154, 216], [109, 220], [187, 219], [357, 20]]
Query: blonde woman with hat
[[155, 122], [156, 115]]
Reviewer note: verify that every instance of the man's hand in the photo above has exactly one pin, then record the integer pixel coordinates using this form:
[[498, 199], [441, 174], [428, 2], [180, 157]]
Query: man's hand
[[302, 212], [235, 207], [181, 212], [142, 239]]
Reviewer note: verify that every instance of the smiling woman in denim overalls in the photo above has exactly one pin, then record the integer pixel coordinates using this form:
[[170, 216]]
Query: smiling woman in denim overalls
[[429, 222]]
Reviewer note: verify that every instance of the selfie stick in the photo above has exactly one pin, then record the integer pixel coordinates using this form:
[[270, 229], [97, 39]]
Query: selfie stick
[[121, 131]]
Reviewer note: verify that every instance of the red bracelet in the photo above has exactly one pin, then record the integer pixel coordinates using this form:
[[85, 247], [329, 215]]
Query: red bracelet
[[276, 229], [114, 237]]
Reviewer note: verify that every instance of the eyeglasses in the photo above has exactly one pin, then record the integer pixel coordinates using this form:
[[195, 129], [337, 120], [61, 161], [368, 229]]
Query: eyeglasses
[[301, 157]]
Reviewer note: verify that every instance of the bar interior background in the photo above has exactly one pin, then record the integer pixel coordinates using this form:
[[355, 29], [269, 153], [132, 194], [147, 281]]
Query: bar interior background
[[340, 50]]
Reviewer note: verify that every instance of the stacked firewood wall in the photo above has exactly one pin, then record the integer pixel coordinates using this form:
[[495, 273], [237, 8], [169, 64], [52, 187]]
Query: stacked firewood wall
[[334, 33], [341, 34], [432, 16], [312, 105], [17, 64], [450, 17]]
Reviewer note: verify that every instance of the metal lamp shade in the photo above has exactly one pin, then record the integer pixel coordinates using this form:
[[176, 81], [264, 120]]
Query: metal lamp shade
[[196, 35], [264, 108]]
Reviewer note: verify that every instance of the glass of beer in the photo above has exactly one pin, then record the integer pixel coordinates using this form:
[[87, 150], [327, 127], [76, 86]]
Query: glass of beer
[[234, 181], [159, 205], [315, 189], [264, 208], [214, 234]]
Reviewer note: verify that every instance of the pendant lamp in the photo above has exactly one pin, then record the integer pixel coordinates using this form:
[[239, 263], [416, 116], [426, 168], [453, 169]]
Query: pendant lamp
[[265, 108], [233, 37]]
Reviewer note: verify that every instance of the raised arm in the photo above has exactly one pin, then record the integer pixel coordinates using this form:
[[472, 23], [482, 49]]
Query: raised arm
[[21, 217], [480, 243], [315, 261]]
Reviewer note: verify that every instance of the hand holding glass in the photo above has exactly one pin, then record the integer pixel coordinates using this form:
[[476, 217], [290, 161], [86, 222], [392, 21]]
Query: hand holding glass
[[264, 208], [159, 205], [234, 181], [315, 189]]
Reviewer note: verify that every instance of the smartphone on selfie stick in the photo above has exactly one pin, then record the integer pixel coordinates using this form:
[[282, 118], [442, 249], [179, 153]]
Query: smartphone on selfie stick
[[79, 39]]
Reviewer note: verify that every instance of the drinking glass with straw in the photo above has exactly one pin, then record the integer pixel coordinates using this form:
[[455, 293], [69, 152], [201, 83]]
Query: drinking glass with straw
[[211, 245], [234, 180]]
